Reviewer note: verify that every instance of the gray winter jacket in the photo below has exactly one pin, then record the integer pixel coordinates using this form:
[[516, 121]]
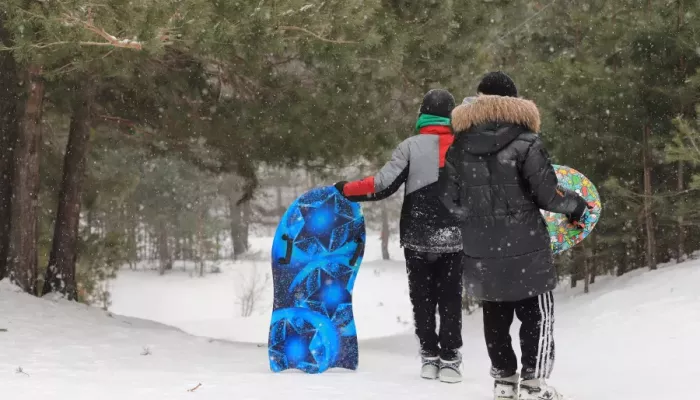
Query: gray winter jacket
[[426, 225]]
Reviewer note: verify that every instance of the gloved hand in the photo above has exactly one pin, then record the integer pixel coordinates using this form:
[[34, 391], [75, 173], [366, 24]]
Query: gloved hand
[[578, 217], [339, 186]]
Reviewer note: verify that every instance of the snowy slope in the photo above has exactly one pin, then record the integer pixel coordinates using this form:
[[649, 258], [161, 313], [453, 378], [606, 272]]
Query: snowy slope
[[635, 337], [69, 351]]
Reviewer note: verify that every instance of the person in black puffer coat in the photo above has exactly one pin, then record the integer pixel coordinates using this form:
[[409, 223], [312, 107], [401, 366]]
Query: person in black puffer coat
[[429, 233], [499, 177]]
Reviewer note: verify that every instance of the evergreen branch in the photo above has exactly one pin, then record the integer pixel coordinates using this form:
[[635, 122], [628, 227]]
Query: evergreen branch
[[317, 36], [59, 43], [541, 10], [133, 129], [111, 39], [118, 120], [692, 141], [631, 193], [256, 9]]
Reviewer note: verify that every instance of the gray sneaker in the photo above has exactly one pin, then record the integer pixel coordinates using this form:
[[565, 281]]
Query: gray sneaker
[[430, 367], [451, 370], [506, 388], [537, 389]]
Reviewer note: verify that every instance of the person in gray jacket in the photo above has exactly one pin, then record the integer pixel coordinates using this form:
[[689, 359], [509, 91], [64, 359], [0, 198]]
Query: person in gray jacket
[[429, 233]]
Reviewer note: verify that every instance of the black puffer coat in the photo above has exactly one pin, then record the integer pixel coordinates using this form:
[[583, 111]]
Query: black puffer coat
[[500, 176]]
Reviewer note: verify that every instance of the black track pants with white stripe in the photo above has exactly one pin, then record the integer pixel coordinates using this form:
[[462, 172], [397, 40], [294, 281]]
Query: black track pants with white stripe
[[536, 336]]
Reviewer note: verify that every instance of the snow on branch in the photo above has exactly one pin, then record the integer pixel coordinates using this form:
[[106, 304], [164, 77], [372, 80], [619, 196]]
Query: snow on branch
[[111, 40]]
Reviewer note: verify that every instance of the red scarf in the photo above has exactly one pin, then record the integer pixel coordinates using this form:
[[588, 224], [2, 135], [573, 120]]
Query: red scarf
[[445, 136]]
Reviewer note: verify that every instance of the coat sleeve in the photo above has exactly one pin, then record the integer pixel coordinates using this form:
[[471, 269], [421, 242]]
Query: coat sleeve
[[386, 182], [450, 186], [538, 172]]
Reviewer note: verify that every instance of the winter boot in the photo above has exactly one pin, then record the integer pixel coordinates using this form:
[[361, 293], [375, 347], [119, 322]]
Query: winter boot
[[430, 367], [537, 389], [506, 388], [450, 370]]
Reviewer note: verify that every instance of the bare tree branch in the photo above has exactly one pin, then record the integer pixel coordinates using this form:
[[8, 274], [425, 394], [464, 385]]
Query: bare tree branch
[[194, 388], [111, 39], [317, 36]]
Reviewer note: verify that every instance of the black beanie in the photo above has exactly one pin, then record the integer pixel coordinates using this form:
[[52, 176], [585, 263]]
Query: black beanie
[[438, 102], [498, 84]]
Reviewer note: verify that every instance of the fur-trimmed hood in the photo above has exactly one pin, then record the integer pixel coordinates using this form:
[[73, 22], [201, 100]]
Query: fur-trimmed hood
[[496, 109]]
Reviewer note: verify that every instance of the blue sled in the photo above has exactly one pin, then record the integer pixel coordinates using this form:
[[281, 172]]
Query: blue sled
[[316, 254]]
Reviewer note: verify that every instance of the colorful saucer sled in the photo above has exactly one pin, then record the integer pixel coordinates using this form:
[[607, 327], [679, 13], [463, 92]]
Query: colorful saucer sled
[[564, 235]]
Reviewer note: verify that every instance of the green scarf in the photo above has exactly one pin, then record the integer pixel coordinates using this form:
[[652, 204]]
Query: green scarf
[[428, 119]]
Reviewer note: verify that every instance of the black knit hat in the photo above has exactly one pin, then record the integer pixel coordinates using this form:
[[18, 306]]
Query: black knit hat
[[438, 102], [498, 84]]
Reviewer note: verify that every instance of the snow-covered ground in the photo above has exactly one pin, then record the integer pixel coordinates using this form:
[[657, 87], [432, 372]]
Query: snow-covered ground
[[636, 337], [210, 306]]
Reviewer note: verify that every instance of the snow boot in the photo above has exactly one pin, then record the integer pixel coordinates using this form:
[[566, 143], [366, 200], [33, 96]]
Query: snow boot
[[430, 367], [506, 388], [450, 370], [536, 389]]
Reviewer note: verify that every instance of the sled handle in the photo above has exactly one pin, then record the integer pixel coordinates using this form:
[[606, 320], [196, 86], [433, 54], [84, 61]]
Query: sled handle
[[288, 255], [359, 249]]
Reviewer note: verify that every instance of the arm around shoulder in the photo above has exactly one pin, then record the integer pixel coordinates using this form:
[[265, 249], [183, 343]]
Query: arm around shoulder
[[450, 186]]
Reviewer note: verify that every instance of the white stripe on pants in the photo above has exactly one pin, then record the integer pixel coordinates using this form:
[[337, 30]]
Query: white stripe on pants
[[536, 336], [545, 349]]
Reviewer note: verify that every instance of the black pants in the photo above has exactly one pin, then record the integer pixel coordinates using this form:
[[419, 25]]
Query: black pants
[[536, 336], [435, 281]]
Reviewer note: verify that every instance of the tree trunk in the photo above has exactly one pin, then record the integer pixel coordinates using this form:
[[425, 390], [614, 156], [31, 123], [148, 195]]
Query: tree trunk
[[9, 84], [89, 221], [587, 272], [147, 243], [150, 253], [578, 266], [280, 206], [188, 253], [170, 260], [240, 215], [201, 246], [649, 219], [60, 273], [245, 231], [586, 255], [385, 232], [622, 268], [178, 249], [165, 261], [132, 237], [593, 267], [680, 186], [681, 229], [25, 186]]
